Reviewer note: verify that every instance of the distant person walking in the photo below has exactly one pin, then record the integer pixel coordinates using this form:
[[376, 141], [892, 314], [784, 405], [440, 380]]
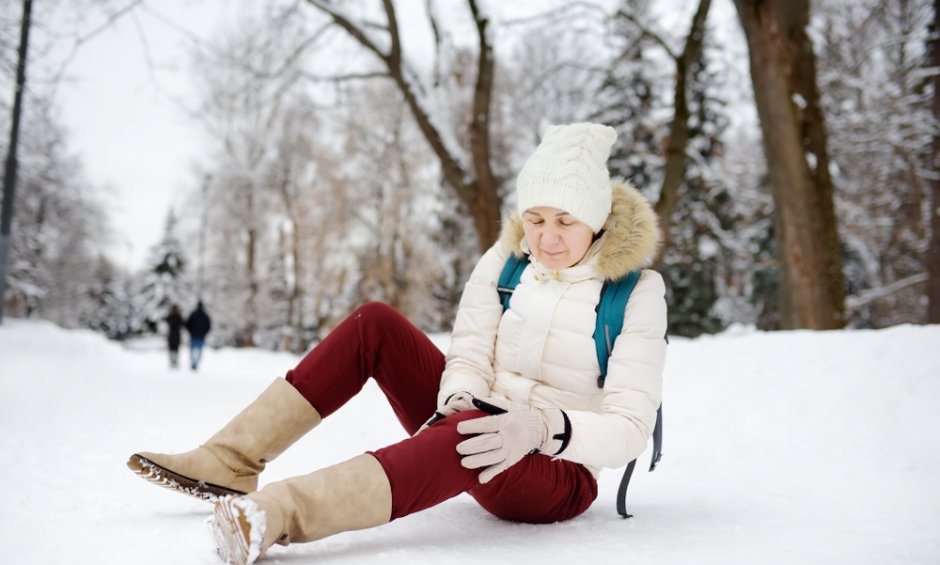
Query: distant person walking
[[174, 322], [198, 325]]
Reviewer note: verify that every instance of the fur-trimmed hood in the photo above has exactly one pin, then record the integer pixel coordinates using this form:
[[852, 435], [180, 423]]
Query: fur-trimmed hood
[[629, 238]]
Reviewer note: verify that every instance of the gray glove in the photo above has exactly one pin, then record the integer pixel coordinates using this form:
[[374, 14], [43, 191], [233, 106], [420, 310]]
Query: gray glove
[[502, 440]]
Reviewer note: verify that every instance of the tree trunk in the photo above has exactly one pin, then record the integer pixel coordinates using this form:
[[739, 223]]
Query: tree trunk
[[812, 287], [293, 322], [933, 250], [483, 199], [296, 316], [815, 142], [251, 323], [674, 168], [291, 339], [10, 164]]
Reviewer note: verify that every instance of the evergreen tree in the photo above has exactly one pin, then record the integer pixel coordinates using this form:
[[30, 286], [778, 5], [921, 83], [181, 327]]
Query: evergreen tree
[[632, 101], [106, 307], [699, 256], [637, 99], [57, 228], [162, 282]]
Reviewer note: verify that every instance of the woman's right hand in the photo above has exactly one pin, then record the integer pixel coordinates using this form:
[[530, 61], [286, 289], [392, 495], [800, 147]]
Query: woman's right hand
[[457, 402]]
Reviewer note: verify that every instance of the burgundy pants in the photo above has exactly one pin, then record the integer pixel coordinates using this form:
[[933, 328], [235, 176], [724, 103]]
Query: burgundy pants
[[378, 342]]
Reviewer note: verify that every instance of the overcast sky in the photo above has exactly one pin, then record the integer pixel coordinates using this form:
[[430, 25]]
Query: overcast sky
[[123, 106]]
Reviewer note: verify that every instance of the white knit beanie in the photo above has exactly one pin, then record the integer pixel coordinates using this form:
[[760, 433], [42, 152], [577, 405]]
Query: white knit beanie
[[568, 171]]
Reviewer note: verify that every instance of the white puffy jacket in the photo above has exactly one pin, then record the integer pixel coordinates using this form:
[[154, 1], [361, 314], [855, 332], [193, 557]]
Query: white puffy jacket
[[541, 351]]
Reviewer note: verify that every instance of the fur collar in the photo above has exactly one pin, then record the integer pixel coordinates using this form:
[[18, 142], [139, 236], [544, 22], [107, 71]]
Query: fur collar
[[629, 239]]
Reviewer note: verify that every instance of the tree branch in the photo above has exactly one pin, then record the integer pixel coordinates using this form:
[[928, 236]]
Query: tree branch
[[647, 32], [474, 182], [556, 14], [295, 54], [438, 40], [350, 28], [873, 294], [453, 171], [394, 54], [344, 78], [483, 88], [81, 40]]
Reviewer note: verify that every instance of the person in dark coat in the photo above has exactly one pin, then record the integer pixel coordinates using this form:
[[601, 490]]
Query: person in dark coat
[[198, 325], [174, 322]]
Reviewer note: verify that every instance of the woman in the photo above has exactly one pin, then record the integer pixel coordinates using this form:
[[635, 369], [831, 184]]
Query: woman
[[521, 424]]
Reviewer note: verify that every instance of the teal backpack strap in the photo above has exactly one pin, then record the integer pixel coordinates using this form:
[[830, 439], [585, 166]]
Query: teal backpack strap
[[610, 311], [509, 278], [628, 472]]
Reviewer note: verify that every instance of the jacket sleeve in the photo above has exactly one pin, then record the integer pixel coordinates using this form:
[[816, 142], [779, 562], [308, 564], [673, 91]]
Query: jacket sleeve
[[618, 433], [472, 347]]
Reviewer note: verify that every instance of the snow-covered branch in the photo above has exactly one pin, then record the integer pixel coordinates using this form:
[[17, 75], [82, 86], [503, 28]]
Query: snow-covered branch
[[873, 294]]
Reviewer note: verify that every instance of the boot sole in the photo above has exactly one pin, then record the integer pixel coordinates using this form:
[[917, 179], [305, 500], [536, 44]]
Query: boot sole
[[167, 478], [232, 532]]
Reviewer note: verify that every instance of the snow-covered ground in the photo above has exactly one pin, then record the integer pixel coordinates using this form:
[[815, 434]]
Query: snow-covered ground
[[789, 447]]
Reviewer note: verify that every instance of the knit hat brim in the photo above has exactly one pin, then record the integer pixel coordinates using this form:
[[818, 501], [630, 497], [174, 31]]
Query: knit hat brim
[[568, 171]]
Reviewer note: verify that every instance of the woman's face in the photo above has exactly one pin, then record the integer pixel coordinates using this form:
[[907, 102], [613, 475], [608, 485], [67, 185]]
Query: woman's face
[[556, 238]]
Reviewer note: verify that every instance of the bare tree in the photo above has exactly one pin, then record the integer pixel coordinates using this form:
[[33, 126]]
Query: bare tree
[[293, 175], [469, 172], [933, 250], [243, 112], [61, 226], [392, 175], [783, 74]]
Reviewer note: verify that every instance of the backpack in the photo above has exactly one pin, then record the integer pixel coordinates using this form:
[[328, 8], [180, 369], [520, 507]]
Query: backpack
[[610, 310]]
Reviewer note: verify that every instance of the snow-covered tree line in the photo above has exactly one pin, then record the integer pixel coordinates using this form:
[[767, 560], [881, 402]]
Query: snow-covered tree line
[[876, 80], [57, 226], [59, 266], [348, 145]]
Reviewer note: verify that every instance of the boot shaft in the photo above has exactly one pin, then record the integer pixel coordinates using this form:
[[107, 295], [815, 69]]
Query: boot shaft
[[264, 429], [352, 495], [231, 460]]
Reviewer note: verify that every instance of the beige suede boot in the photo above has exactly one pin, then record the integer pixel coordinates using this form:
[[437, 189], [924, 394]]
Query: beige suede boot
[[353, 495], [229, 463]]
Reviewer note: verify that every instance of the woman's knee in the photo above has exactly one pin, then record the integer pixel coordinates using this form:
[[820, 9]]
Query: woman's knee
[[373, 309], [538, 490], [376, 311]]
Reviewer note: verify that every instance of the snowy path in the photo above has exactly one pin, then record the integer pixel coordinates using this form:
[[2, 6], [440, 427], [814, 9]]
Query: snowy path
[[794, 447]]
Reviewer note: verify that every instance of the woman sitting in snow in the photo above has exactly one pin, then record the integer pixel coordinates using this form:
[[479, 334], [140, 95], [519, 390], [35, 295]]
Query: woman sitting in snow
[[536, 462]]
